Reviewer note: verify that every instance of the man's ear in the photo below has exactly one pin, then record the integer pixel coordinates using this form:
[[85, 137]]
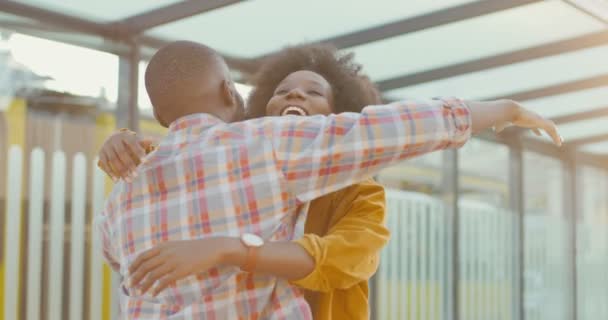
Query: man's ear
[[228, 93]]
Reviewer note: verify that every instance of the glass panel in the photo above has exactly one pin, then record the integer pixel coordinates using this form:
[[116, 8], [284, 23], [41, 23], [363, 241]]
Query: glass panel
[[420, 174], [106, 10], [546, 234], [487, 243], [598, 8], [569, 103], [483, 173], [581, 129], [600, 148], [592, 245], [271, 24], [517, 77], [70, 68], [517, 28], [412, 278]]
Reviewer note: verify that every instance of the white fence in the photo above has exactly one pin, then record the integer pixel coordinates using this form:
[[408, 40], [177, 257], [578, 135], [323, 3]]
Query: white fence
[[50, 230]]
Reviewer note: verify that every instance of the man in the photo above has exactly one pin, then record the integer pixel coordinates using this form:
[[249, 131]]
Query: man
[[210, 177]]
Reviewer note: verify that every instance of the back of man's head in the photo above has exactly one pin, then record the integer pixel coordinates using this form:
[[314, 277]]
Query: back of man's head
[[186, 77]]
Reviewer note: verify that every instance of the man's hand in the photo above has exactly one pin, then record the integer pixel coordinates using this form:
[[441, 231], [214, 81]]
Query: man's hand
[[121, 153], [527, 119], [501, 114], [175, 260]]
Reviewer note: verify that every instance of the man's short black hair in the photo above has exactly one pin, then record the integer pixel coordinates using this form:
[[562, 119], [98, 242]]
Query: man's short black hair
[[175, 72]]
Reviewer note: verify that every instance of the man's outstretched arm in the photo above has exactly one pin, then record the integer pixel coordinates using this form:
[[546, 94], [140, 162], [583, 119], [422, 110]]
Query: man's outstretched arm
[[427, 125], [319, 155]]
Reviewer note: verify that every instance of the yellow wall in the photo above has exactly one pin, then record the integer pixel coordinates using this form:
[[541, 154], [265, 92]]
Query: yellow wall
[[15, 121], [105, 125]]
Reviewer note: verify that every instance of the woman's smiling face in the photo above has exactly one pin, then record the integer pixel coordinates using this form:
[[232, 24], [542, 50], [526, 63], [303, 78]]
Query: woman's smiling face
[[301, 93]]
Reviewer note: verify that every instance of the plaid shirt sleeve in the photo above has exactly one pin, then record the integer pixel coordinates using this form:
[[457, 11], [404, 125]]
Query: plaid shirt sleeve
[[102, 225], [319, 155]]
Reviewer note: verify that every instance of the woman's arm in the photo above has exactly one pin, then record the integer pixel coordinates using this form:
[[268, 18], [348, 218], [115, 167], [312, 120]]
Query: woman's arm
[[349, 253]]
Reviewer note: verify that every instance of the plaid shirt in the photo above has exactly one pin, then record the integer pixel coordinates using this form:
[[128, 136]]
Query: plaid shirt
[[210, 178]]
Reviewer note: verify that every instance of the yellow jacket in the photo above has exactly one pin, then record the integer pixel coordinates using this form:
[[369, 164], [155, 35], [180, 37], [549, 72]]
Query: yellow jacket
[[345, 245]]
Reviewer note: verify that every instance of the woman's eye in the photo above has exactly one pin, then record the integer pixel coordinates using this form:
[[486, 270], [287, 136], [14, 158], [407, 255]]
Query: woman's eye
[[280, 92], [315, 93]]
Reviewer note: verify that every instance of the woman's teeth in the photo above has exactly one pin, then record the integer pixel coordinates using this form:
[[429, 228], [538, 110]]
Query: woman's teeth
[[293, 110]]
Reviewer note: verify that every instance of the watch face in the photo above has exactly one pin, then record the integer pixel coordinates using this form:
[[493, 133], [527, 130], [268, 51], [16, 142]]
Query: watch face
[[252, 240]]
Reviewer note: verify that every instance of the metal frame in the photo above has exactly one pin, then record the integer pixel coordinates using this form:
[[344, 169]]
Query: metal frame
[[127, 110], [585, 11], [117, 33], [145, 21], [514, 138], [68, 36], [516, 204], [58, 19], [588, 140], [121, 30], [587, 115], [425, 21], [450, 193], [372, 284], [247, 66], [567, 87], [499, 60], [571, 205]]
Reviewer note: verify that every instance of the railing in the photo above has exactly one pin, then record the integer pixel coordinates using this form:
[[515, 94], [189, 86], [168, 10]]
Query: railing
[[415, 279], [52, 268]]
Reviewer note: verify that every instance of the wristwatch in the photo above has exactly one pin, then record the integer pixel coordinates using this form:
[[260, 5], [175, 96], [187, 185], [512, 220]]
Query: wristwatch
[[253, 243]]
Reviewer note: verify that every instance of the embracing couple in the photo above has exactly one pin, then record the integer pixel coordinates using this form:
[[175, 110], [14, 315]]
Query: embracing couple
[[269, 211]]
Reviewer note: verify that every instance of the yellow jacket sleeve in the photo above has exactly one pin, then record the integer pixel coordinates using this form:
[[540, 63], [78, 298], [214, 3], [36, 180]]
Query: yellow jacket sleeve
[[349, 252]]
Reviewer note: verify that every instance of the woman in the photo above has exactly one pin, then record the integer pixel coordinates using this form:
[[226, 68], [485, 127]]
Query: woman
[[344, 231]]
